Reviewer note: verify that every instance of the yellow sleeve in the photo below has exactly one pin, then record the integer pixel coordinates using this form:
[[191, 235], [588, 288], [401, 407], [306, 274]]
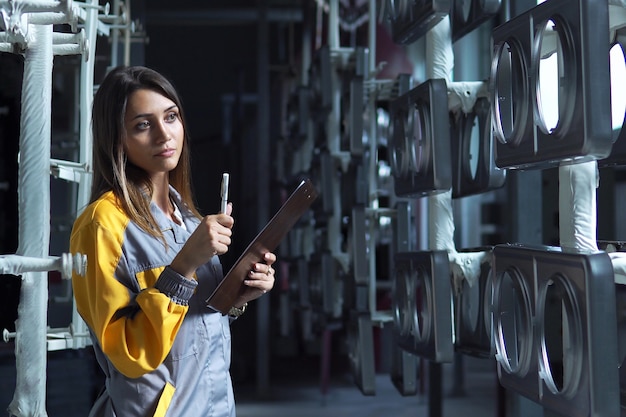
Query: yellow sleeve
[[135, 331]]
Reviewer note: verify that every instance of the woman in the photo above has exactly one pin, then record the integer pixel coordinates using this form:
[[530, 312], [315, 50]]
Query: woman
[[152, 260]]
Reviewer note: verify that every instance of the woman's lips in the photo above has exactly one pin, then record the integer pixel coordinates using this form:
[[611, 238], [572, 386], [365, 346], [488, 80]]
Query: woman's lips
[[166, 153]]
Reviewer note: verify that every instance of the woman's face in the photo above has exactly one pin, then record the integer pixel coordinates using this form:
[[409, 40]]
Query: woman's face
[[154, 133]]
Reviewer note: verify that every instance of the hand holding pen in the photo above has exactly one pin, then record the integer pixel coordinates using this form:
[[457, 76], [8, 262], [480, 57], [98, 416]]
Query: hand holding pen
[[224, 192], [212, 237]]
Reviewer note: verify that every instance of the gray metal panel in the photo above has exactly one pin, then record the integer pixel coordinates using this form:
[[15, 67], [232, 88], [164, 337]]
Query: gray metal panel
[[361, 352], [412, 20], [420, 146], [570, 347], [583, 131], [479, 12], [422, 310], [360, 264], [474, 170]]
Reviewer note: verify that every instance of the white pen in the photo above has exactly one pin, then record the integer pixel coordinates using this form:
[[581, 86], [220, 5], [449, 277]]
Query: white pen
[[224, 193]]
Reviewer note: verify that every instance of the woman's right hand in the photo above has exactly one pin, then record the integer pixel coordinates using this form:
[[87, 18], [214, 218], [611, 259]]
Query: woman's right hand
[[211, 237]]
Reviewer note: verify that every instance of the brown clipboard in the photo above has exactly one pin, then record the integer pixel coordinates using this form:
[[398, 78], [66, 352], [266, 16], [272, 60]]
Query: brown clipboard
[[268, 239]]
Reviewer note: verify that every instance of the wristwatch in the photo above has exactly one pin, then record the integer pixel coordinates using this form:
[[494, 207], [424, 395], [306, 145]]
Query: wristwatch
[[236, 312]]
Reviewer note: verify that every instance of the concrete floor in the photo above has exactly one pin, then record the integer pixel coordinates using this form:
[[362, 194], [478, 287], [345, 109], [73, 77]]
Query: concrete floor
[[295, 391], [345, 400]]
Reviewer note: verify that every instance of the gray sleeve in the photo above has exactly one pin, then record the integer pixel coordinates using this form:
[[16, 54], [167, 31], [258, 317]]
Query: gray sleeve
[[176, 286]]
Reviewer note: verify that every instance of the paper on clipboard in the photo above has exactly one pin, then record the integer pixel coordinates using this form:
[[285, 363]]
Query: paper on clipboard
[[267, 240]]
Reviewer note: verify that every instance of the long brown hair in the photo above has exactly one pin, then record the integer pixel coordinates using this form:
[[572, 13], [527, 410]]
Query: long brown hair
[[111, 169]]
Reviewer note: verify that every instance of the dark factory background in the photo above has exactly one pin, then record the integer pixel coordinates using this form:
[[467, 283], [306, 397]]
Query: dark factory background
[[235, 63]]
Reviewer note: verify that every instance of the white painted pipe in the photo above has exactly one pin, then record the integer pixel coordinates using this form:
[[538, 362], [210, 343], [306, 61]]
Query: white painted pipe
[[31, 259], [106, 8], [68, 49], [86, 100], [577, 206], [59, 38], [36, 6], [129, 28], [63, 43], [115, 35], [462, 95], [34, 224], [53, 18], [18, 265], [333, 24], [5, 37], [16, 29], [66, 333], [85, 156], [439, 65]]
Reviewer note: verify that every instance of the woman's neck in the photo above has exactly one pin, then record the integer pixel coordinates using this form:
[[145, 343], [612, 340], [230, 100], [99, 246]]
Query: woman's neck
[[161, 197]]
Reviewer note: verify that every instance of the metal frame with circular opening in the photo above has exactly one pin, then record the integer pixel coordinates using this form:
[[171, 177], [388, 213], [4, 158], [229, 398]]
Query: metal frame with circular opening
[[618, 151], [517, 295], [403, 301], [509, 91], [404, 371], [513, 319], [422, 309], [419, 139], [584, 129], [361, 352], [421, 162], [399, 152], [467, 15], [322, 173], [358, 245], [321, 84], [352, 106], [560, 371], [300, 269], [590, 385], [297, 115], [353, 101], [472, 143], [473, 315], [323, 276], [557, 43], [573, 309], [410, 20]]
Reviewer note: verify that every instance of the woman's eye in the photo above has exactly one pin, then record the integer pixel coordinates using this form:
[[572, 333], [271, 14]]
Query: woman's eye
[[143, 125], [171, 117]]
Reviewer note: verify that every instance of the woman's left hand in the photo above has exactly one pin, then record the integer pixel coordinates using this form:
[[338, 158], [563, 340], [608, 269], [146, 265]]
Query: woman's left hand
[[260, 279]]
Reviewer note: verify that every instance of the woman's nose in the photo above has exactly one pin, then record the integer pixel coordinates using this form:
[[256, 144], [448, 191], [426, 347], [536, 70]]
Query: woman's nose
[[163, 133]]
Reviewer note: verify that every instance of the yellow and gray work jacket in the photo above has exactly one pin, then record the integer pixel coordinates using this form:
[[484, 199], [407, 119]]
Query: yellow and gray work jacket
[[162, 350]]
